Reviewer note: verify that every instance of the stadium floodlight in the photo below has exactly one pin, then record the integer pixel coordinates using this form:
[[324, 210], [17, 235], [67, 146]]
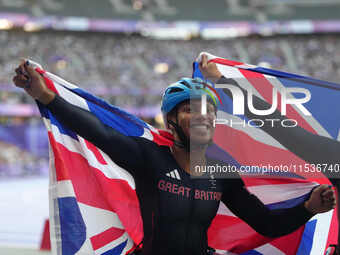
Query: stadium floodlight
[[224, 33], [32, 27], [6, 24], [168, 33]]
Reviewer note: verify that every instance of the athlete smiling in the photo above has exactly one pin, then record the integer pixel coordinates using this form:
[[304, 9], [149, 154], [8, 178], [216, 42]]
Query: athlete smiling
[[176, 208]]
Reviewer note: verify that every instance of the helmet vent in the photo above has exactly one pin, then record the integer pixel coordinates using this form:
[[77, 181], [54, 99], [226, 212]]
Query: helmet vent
[[173, 90], [186, 84]]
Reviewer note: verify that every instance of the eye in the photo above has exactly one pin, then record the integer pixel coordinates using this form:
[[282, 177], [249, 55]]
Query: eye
[[211, 110], [187, 109]]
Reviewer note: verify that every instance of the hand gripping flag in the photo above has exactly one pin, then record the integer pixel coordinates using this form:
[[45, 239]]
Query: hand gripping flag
[[93, 204], [247, 145], [94, 207]]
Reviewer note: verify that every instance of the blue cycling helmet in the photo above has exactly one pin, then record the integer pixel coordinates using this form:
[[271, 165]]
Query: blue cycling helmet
[[186, 89]]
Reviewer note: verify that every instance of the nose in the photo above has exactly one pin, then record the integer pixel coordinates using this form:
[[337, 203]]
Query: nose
[[199, 117]]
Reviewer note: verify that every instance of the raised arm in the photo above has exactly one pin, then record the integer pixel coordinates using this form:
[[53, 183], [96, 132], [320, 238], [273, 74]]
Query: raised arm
[[312, 148], [119, 147], [278, 222]]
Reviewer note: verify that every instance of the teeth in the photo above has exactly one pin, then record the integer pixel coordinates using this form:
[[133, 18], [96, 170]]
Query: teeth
[[199, 126]]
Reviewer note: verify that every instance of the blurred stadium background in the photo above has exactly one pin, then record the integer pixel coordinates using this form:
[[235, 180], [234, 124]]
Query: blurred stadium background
[[127, 51]]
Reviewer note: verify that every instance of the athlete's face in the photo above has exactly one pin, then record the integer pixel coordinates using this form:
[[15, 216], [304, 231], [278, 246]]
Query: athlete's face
[[199, 128]]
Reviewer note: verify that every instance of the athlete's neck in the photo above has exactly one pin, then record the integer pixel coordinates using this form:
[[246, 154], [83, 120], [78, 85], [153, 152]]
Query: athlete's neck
[[191, 160]]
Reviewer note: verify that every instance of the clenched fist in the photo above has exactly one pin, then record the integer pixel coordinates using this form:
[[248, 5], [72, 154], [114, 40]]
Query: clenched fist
[[209, 69], [32, 82], [321, 200]]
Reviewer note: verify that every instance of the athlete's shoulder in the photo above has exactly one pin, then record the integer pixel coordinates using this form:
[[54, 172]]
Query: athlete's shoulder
[[149, 145]]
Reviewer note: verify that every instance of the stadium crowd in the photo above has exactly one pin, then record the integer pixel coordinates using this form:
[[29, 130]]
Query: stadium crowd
[[132, 70], [15, 162]]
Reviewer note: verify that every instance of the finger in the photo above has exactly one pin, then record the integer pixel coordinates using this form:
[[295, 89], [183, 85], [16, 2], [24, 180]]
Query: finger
[[204, 61], [330, 187], [18, 70], [201, 59], [329, 203], [327, 193], [30, 70], [328, 207], [328, 196], [22, 68], [21, 76], [20, 79], [321, 189], [21, 71], [19, 82]]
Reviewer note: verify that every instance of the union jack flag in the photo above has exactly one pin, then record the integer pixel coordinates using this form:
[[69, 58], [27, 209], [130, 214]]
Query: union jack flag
[[93, 205], [245, 145]]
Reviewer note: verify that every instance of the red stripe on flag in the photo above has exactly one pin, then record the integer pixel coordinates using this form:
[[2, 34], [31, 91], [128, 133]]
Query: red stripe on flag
[[232, 234], [272, 181], [72, 166], [333, 230], [106, 237], [225, 62], [265, 88], [289, 244], [93, 188], [48, 82], [96, 152], [241, 147], [62, 172], [163, 138]]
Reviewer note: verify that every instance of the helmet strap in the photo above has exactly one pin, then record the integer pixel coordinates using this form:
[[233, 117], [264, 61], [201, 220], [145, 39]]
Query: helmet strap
[[184, 141]]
